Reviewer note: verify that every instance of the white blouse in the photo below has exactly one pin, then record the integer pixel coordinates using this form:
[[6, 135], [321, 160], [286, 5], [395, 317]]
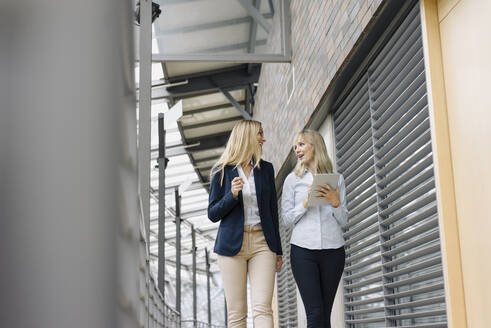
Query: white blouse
[[251, 207], [315, 227]]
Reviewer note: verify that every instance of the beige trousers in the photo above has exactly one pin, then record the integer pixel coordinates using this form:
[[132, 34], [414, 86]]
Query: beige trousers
[[256, 259]]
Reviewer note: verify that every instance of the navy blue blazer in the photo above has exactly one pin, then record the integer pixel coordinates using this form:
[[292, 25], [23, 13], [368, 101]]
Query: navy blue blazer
[[230, 212]]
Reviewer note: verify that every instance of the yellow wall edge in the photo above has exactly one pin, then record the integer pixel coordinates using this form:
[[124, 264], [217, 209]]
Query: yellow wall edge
[[445, 188]]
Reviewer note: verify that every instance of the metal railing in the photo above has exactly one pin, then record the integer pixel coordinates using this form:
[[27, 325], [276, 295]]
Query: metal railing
[[198, 324], [154, 311]]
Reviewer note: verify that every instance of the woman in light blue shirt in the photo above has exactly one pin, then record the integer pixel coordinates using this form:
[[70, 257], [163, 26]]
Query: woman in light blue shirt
[[317, 243]]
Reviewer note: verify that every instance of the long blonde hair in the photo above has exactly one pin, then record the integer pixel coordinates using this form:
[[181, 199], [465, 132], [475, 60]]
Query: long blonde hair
[[321, 158], [242, 146]]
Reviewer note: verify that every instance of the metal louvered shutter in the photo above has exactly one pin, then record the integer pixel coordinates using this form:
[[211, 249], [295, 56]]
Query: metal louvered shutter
[[286, 286], [393, 273]]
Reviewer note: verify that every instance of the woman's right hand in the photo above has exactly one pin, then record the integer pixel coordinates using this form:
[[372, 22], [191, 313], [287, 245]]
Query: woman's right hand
[[237, 184]]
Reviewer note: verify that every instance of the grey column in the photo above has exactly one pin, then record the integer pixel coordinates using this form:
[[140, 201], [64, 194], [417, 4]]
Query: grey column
[[178, 249], [68, 180], [144, 127], [208, 284], [225, 306], [144, 112], [161, 161], [195, 308]]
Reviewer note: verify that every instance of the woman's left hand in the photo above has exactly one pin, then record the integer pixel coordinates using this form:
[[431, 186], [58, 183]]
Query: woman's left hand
[[331, 195], [279, 263]]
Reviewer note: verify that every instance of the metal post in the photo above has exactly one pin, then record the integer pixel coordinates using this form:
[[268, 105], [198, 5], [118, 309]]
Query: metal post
[[161, 162], [144, 126], [195, 309], [144, 110], [225, 305], [178, 249], [208, 285]]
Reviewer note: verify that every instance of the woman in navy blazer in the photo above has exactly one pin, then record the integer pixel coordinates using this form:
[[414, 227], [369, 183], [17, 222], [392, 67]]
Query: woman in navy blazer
[[243, 199]]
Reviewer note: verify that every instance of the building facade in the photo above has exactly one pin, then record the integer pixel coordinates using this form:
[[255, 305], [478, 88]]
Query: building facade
[[397, 90]]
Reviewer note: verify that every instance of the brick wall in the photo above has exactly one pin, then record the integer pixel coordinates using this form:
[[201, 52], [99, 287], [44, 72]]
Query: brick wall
[[323, 34]]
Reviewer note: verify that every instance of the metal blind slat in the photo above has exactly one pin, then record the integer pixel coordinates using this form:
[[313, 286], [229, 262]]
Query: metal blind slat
[[396, 167], [429, 325], [406, 211], [362, 273], [364, 292], [369, 251], [357, 92], [367, 310], [405, 188], [400, 135], [366, 243], [364, 282], [363, 225], [425, 213], [433, 300], [350, 115], [357, 182], [355, 169], [417, 254], [399, 95], [413, 244], [414, 104], [418, 314], [388, 152], [414, 194], [411, 23], [364, 234], [417, 291], [410, 53], [369, 320], [392, 182], [431, 224], [355, 132], [365, 301], [424, 264], [362, 264], [360, 207], [359, 147], [413, 280], [365, 215]]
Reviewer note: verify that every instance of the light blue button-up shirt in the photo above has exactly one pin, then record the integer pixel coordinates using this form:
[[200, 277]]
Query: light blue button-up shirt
[[315, 227]]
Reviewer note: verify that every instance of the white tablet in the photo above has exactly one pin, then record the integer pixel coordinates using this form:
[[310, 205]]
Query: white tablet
[[320, 180]]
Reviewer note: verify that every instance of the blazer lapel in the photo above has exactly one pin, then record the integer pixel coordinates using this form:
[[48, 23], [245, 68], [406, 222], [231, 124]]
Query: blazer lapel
[[257, 181], [234, 173]]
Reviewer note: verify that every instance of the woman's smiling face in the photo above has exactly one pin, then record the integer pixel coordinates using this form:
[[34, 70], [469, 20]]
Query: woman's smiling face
[[260, 137], [304, 151]]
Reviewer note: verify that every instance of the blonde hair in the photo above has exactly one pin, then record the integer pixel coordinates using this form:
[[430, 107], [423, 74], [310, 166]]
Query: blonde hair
[[242, 146], [321, 158]]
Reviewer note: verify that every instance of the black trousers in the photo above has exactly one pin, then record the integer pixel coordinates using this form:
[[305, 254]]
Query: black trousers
[[317, 273]]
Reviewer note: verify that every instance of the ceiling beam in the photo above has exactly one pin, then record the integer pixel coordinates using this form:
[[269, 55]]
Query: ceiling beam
[[196, 144], [256, 15], [209, 123], [208, 26], [206, 159], [230, 47], [253, 30], [209, 142], [208, 109], [234, 102], [231, 79], [271, 6]]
